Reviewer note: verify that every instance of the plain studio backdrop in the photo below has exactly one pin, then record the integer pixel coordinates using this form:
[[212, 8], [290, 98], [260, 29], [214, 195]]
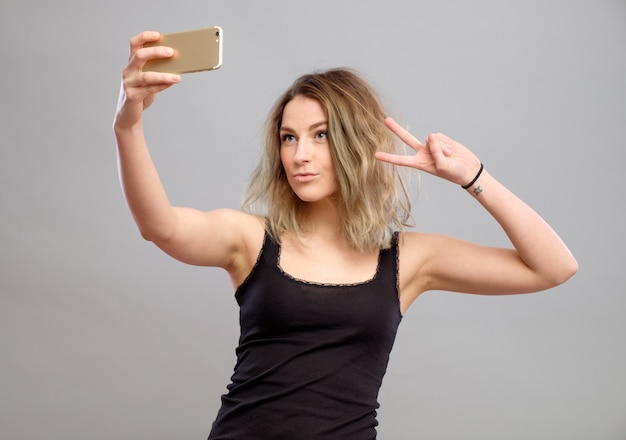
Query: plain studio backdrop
[[102, 336]]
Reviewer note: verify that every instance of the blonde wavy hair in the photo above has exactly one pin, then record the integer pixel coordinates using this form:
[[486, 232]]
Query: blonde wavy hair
[[373, 201]]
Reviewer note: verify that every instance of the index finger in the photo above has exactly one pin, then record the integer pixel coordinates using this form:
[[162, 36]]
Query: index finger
[[403, 134], [140, 39]]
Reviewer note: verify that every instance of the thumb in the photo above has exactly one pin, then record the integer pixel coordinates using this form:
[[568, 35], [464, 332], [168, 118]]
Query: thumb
[[439, 147]]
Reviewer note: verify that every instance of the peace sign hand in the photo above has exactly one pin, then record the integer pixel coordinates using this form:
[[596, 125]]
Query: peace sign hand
[[440, 155]]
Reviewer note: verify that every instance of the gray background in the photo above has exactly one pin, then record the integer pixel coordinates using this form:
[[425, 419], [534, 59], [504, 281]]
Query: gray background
[[102, 336]]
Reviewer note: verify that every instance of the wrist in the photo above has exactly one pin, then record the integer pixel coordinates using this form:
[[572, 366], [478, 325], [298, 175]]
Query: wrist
[[122, 125], [475, 179]]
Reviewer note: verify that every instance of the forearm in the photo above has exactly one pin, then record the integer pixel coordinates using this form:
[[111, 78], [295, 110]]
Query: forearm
[[537, 244], [144, 192]]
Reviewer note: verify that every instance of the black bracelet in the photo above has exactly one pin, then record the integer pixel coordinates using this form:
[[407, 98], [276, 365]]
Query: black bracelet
[[469, 185]]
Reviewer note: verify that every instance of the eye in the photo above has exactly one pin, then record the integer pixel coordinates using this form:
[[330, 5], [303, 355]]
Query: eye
[[287, 138], [321, 135]]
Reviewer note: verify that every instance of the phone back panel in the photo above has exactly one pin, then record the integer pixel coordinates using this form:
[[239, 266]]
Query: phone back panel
[[194, 51]]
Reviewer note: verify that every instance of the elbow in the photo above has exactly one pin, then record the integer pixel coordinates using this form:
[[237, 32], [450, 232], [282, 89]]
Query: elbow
[[569, 269], [566, 270], [157, 230], [573, 268], [146, 235], [151, 234]]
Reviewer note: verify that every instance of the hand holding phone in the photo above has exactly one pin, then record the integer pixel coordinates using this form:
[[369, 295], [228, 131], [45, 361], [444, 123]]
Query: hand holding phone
[[194, 51]]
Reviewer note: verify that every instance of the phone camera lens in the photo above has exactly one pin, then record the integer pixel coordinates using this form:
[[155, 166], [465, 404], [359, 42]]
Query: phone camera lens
[[217, 33]]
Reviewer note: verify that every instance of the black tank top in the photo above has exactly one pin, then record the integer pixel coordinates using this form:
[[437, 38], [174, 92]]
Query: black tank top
[[311, 356]]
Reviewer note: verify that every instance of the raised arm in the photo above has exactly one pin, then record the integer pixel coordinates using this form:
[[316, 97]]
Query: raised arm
[[539, 260], [216, 238]]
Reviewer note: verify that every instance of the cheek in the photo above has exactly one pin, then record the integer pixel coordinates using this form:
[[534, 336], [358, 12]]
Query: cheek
[[330, 163], [284, 166], [283, 157]]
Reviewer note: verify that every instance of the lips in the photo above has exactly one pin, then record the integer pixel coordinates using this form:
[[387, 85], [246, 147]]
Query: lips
[[304, 177]]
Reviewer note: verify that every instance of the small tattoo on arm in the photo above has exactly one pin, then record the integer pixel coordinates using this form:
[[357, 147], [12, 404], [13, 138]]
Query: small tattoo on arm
[[477, 190]]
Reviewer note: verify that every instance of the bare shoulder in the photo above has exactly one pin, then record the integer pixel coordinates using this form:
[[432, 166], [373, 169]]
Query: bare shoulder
[[417, 245], [253, 233], [425, 245], [239, 220], [413, 249], [250, 230], [220, 238], [416, 251]]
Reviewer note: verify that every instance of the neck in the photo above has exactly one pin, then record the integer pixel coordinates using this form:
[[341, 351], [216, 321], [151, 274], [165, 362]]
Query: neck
[[322, 221]]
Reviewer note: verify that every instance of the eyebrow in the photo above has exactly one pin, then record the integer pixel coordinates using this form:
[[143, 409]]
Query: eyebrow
[[312, 127]]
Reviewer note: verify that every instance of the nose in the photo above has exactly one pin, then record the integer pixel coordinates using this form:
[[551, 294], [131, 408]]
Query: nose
[[303, 152]]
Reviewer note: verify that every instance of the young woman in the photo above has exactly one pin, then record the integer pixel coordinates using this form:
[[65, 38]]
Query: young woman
[[321, 265]]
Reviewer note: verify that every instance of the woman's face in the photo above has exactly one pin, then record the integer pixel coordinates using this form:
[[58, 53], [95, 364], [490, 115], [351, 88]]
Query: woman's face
[[305, 150]]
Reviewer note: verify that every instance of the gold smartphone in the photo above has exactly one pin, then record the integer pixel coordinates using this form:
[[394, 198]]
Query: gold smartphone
[[194, 51]]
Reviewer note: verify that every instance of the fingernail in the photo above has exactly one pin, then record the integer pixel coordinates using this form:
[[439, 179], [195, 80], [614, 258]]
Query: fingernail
[[169, 51]]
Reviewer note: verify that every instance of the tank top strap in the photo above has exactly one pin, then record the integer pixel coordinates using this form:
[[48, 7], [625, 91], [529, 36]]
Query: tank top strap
[[270, 251], [389, 261]]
